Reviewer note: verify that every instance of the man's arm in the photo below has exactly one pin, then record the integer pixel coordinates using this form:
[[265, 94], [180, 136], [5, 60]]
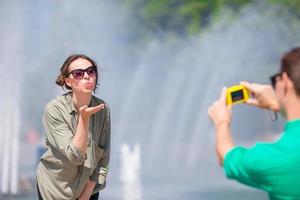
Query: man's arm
[[224, 141], [220, 114]]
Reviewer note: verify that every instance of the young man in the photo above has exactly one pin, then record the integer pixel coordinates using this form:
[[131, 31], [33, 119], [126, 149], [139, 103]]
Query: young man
[[273, 167]]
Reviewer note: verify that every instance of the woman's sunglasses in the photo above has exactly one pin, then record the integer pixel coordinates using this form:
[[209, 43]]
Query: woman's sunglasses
[[78, 74]]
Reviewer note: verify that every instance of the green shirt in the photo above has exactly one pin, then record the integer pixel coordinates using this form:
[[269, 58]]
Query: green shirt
[[64, 170], [273, 167]]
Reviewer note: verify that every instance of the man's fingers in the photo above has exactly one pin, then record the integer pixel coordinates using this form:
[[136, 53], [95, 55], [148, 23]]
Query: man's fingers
[[248, 85], [253, 102], [209, 111], [223, 95], [245, 83]]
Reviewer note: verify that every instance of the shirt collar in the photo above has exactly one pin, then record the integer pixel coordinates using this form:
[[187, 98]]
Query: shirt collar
[[292, 126], [70, 106]]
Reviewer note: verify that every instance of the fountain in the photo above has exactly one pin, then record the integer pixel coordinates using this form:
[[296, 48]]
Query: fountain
[[130, 172]]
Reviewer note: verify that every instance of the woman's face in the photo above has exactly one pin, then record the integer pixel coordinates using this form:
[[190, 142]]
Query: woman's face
[[82, 76]]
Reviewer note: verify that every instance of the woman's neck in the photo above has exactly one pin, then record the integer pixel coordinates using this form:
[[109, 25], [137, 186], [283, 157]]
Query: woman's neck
[[81, 99]]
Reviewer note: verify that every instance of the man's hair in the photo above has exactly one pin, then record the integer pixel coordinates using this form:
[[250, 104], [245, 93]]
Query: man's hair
[[290, 63]]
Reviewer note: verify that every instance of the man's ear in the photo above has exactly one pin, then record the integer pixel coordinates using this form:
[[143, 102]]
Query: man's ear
[[288, 84], [68, 82], [284, 79]]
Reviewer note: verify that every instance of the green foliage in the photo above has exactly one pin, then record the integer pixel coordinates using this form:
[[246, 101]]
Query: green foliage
[[292, 5], [179, 16], [187, 17]]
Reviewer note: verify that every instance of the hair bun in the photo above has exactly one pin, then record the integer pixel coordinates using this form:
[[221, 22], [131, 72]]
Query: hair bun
[[60, 80]]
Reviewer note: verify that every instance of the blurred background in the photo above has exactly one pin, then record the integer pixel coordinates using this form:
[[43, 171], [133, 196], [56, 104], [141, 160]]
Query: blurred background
[[163, 62]]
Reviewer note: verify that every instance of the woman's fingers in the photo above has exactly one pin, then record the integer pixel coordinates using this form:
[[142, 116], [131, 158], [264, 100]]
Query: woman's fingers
[[82, 108], [91, 110]]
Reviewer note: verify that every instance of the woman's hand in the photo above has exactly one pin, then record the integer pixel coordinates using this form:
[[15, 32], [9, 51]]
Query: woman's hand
[[264, 96], [86, 111], [83, 198], [87, 191], [219, 112]]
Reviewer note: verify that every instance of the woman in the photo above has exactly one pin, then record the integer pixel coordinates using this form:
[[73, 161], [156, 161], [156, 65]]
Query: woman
[[77, 136]]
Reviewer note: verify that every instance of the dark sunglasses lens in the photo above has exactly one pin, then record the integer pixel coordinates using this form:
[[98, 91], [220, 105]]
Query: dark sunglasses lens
[[272, 81], [91, 71], [78, 74]]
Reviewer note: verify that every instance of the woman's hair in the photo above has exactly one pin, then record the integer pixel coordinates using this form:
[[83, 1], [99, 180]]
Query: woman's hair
[[64, 70], [290, 63]]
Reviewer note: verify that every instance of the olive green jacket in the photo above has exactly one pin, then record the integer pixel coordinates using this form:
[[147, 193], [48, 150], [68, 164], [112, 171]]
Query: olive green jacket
[[64, 170]]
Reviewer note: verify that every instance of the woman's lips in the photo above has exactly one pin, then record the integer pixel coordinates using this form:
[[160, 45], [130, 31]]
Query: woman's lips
[[88, 85]]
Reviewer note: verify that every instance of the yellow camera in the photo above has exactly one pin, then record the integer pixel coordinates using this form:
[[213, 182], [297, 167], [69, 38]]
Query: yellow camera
[[236, 94]]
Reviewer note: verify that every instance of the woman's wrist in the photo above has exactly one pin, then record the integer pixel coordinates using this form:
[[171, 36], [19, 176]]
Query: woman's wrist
[[84, 118]]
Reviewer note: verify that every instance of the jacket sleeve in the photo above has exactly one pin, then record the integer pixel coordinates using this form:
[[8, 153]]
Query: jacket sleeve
[[59, 136], [100, 172]]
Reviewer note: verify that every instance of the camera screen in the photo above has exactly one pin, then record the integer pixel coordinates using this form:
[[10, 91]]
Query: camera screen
[[237, 95]]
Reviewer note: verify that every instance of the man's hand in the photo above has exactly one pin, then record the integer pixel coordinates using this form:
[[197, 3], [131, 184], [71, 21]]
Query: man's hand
[[219, 112], [264, 96]]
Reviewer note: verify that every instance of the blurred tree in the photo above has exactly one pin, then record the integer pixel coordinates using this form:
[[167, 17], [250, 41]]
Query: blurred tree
[[292, 5], [187, 17], [184, 17]]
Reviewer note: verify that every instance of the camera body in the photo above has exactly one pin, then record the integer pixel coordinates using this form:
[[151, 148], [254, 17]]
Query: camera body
[[236, 94]]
